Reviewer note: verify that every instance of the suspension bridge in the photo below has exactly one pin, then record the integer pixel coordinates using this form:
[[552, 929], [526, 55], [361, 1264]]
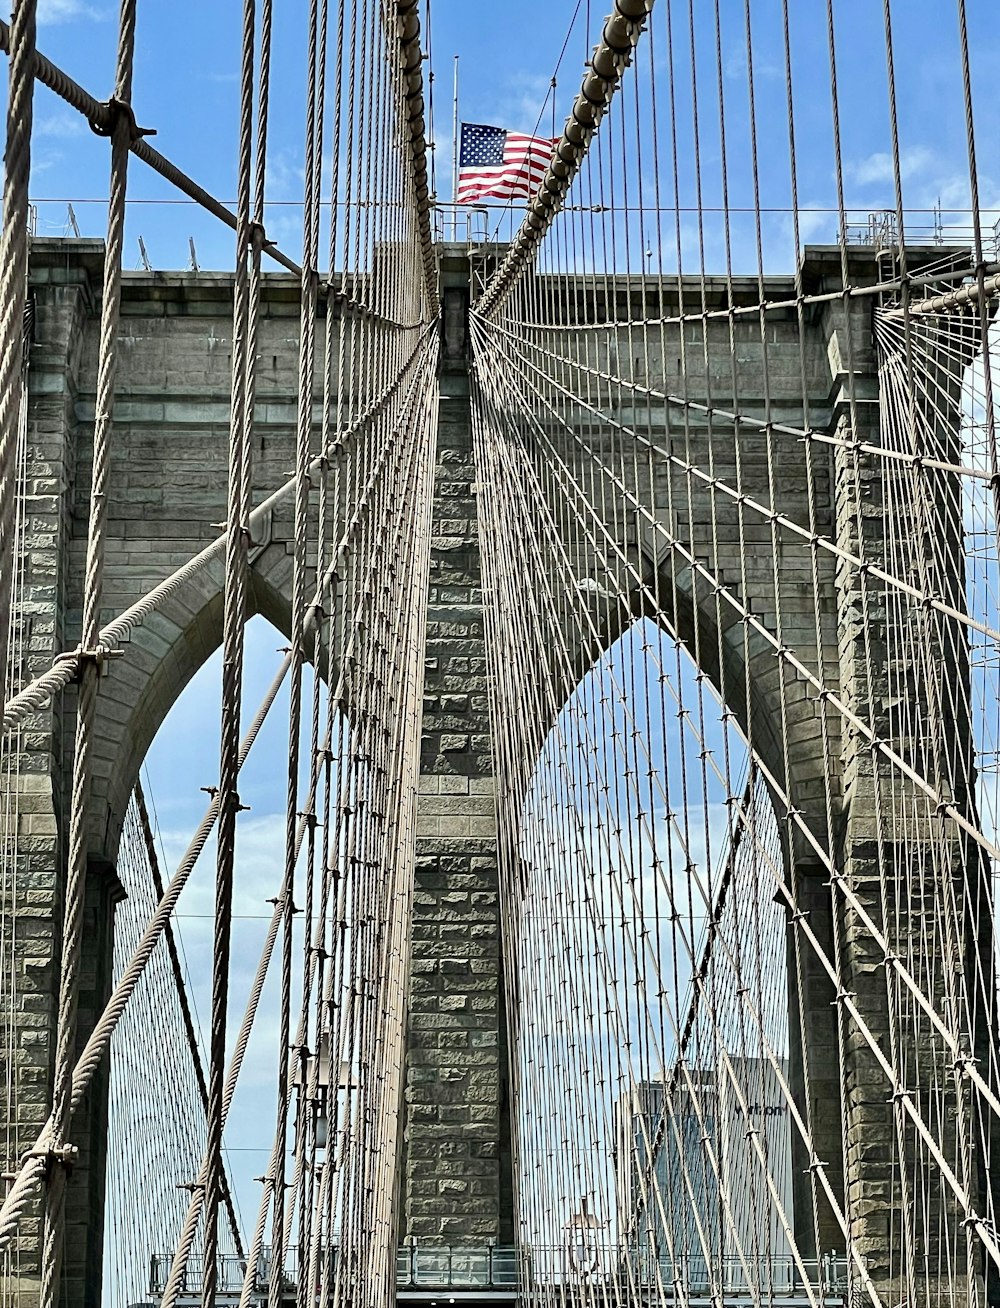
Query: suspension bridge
[[630, 935]]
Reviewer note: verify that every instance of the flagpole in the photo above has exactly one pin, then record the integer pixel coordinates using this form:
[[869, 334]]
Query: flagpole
[[456, 150]]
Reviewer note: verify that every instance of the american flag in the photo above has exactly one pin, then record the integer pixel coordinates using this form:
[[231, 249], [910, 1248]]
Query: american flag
[[501, 164]]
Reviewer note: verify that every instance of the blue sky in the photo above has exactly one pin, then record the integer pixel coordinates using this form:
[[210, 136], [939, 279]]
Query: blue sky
[[187, 58], [186, 88], [186, 84]]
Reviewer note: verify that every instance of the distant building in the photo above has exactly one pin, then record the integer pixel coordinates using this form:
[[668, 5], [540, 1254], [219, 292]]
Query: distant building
[[675, 1163]]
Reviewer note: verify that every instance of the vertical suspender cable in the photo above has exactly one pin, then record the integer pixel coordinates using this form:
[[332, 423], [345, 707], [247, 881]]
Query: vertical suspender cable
[[122, 128], [13, 282], [234, 617]]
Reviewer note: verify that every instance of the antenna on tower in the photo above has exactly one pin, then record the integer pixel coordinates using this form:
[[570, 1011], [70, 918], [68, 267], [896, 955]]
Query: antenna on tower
[[193, 265], [74, 226], [143, 256]]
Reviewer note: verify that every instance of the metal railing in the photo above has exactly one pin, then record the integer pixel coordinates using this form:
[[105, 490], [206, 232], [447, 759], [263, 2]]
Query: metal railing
[[499, 1268], [496, 1267], [462, 224], [457, 1267], [694, 1276], [231, 1273]]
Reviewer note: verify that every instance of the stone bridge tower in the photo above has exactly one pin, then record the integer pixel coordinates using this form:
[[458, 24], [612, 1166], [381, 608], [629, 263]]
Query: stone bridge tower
[[168, 484]]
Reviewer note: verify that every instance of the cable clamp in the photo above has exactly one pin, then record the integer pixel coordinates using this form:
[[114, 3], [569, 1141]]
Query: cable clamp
[[232, 798], [98, 656], [63, 1155], [112, 112]]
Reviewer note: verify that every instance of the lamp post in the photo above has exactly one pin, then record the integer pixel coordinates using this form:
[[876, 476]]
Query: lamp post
[[582, 1249]]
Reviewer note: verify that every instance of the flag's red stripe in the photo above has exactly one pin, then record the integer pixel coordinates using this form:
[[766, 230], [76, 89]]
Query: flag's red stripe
[[520, 153], [484, 174], [493, 188], [500, 185], [499, 192], [521, 165], [471, 183]]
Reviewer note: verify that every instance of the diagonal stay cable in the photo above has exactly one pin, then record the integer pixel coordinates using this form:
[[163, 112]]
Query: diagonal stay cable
[[177, 973], [35, 1163], [36, 1160], [100, 115], [66, 668], [621, 33]]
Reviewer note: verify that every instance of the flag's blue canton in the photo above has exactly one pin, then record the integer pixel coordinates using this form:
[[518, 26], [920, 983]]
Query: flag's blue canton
[[482, 147]]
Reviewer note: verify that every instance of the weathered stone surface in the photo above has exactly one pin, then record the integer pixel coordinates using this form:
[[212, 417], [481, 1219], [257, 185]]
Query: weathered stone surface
[[168, 486]]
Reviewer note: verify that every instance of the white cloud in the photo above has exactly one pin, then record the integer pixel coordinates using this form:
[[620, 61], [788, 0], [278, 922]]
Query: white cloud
[[285, 175], [877, 168], [44, 160], [260, 866], [763, 69], [60, 127], [51, 12], [816, 221]]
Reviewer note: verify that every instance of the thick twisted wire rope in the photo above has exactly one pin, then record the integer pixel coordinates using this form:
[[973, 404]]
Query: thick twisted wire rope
[[86, 708], [48, 685], [32, 1170], [66, 668], [180, 988], [602, 411], [234, 619], [315, 75], [175, 1280], [13, 287], [101, 115]]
